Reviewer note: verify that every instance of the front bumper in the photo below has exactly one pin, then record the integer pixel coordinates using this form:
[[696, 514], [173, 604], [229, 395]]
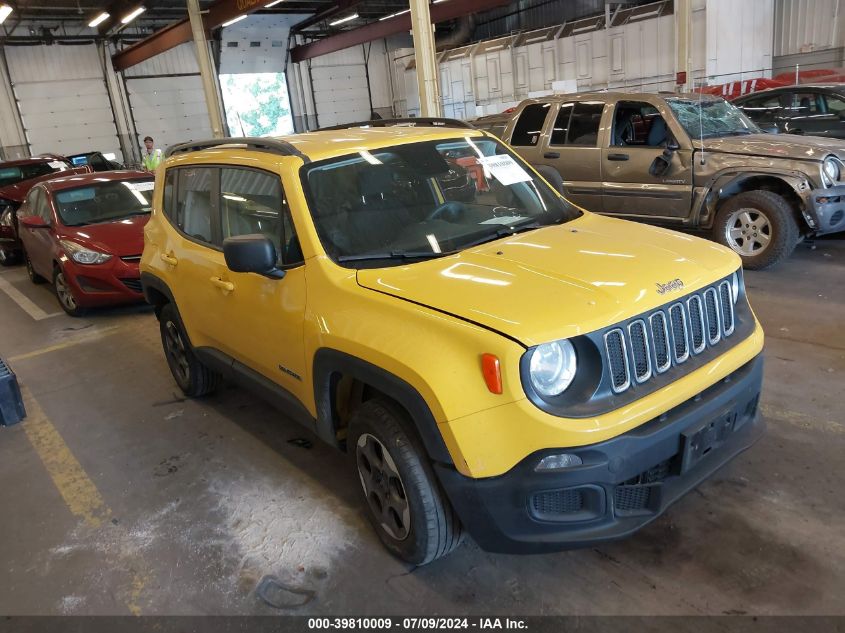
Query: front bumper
[[827, 210], [624, 483], [114, 283]]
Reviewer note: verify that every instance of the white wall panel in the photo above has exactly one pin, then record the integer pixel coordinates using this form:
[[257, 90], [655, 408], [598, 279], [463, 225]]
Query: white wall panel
[[170, 109], [62, 97], [804, 26], [179, 60], [739, 39], [340, 90]]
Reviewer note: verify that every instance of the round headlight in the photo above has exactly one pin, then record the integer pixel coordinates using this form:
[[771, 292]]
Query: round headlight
[[552, 367], [831, 171], [735, 287]]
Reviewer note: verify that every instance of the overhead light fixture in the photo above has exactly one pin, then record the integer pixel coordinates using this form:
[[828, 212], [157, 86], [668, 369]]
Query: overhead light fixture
[[348, 18], [438, 1], [273, 4], [99, 19], [5, 11], [126, 19], [393, 15], [233, 20]]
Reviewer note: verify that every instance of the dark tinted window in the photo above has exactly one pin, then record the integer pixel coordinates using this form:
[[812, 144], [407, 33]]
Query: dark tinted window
[[529, 126], [584, 124], [765, 108], [835, 105], [169, 189], [194, 212], [102, 202], [561, 125], [806, 104], [12, 175]]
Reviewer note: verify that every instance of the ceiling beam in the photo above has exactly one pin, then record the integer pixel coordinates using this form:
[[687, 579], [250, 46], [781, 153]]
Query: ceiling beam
[[180, 32], [341, 5], [401, 24]]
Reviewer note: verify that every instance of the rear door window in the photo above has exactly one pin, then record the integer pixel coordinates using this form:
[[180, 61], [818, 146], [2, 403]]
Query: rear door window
[[561, 126], [529, 125], [584, 124]]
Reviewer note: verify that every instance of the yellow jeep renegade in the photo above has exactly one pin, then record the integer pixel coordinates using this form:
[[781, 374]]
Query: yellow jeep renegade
[[492, 358]]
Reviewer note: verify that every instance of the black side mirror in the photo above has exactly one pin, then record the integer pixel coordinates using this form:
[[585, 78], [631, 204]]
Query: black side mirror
[[660, 164], [842, 115], [252, 254]]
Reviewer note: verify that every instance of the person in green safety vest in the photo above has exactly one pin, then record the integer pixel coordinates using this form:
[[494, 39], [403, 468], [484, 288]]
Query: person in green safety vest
[[152, 157]]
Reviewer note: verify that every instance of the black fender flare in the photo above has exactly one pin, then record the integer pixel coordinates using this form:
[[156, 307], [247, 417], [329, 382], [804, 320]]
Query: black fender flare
[[330, 363]]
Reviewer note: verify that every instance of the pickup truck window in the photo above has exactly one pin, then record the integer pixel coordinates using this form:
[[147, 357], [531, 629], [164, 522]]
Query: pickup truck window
[[561, 126], [584, 124], [529, 126]]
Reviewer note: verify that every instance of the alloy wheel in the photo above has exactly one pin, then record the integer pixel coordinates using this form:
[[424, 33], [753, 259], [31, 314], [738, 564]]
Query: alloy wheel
[[62, 291], [175, 348], [748, 231], [383, 487]]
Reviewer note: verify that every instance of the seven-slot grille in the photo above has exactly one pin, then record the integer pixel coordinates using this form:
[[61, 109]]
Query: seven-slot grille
[[669, 335]]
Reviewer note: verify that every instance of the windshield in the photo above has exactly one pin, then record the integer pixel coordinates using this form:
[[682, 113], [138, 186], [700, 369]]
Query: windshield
[[14, 175], [710, 118], [426, 200], [104, 202]]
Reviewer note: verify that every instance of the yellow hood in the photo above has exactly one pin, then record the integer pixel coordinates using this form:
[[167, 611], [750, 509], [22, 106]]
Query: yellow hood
[[559, 281]]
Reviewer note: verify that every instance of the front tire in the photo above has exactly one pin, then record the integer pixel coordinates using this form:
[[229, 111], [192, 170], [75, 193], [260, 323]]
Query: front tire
[[759, 226], [65, 295], [34, 277], [194, 379], [410, 513]]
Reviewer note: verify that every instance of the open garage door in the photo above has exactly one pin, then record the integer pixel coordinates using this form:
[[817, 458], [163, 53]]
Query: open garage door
[[62, 98], [167, 99]]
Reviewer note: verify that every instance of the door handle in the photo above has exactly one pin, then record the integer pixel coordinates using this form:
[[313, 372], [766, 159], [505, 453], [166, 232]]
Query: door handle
[[168, 259], [551, 155], [225, 286], [617, 157]]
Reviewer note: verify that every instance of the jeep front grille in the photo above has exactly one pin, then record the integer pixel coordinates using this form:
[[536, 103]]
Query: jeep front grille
[[669, 335]]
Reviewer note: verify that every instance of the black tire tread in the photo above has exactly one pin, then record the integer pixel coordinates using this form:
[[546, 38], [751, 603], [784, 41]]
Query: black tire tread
[[780, 214], [443, 528], [203, 380]]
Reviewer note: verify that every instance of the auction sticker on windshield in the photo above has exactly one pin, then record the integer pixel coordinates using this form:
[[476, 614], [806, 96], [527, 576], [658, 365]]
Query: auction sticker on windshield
[[505, 169]]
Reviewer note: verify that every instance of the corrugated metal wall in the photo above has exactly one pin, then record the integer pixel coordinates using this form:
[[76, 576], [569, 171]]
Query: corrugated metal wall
[[803, 26], [739, 39], [62, 99], [167, 98]]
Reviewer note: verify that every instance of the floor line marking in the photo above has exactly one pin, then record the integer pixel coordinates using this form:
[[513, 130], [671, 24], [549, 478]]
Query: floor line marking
[[24, 302], [78, 491], [76, 340]]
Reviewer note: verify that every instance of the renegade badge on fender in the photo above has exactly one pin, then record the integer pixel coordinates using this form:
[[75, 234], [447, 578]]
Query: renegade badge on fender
[[493, 359]]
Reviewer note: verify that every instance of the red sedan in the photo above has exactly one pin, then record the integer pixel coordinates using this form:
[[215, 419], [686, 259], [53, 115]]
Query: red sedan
[[85, 233]]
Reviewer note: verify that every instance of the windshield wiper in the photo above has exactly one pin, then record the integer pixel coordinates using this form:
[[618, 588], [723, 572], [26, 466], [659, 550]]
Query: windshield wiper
[[391, 255]]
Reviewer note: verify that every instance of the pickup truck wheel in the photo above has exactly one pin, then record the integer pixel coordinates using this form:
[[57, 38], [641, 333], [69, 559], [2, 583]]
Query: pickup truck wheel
[[193, 378], [759, 226], [411, 515]]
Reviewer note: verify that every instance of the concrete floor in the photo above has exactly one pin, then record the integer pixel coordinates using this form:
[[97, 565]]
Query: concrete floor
[[171, 506]]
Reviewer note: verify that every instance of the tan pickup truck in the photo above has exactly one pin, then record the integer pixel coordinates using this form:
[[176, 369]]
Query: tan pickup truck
[[683, 161]]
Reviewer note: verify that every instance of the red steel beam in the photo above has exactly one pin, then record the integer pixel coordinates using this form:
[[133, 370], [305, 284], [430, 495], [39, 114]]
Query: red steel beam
[[180, 32], [377, 30]]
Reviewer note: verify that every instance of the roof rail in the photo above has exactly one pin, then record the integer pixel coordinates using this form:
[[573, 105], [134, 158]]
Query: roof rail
[[410, 121], [274, 146]]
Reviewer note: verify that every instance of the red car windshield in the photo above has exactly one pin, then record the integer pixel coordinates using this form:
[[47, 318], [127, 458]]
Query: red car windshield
[[19, 173], [104, 202]]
